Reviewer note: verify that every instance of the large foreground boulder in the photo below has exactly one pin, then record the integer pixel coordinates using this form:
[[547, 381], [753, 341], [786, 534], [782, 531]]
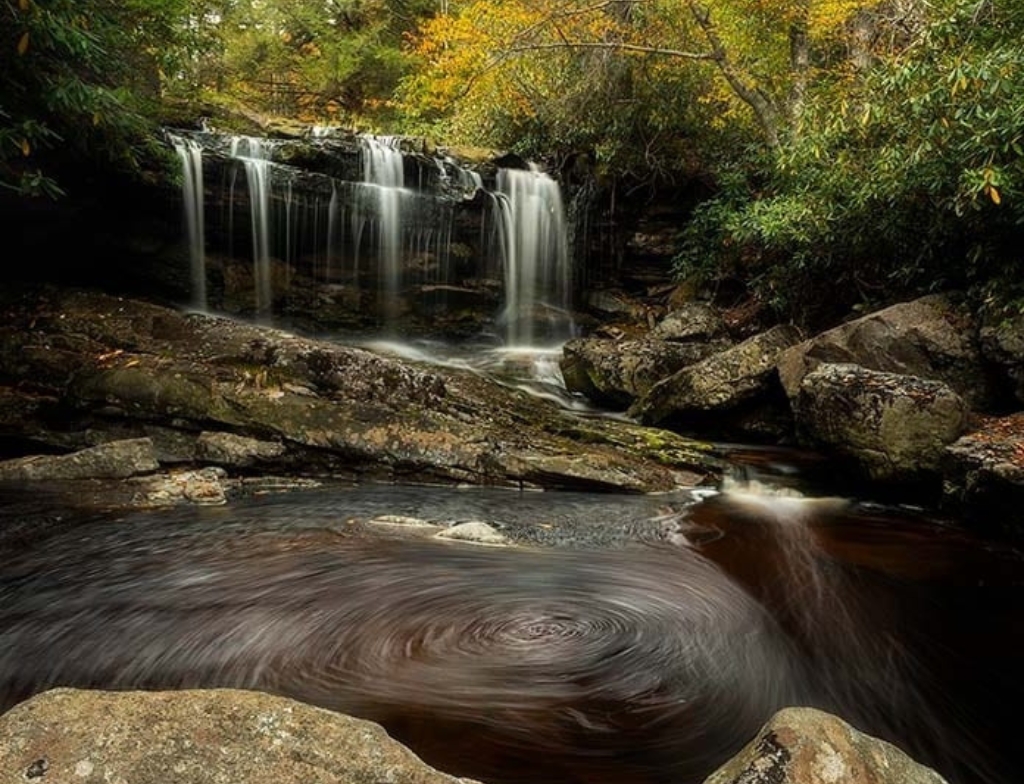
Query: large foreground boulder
[[197, 737], [931, 338], [711, 391], [807, 746], [984, 475], [895, 427]]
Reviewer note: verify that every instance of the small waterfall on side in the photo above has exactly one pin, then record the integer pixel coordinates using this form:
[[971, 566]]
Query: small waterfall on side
[[848, 633], [535, 251], [255, 155], [191, 154], [384, 169]]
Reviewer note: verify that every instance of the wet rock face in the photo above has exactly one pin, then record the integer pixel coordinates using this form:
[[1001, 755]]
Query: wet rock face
[[113, 460], [1002, 344], [894, 426], [207, 737], [692, 321], [807, 746]]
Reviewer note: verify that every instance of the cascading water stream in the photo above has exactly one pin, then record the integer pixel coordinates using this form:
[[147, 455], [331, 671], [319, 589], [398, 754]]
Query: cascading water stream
[[191, 154], [535, 252], [255, 155], [384, 169], [354, 223]]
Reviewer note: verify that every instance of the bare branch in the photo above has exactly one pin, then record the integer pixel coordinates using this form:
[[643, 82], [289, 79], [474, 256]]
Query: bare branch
[[611, 45]]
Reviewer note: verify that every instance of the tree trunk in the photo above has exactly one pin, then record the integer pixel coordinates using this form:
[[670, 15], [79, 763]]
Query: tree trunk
[[800, 64], [763, 106]]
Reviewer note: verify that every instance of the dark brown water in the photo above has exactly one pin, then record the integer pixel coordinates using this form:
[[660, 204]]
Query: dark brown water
[[623, 639]]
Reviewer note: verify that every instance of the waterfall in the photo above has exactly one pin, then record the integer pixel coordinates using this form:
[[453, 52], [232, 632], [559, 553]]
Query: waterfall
[[535, 254], [368, 216], [191, 154], [255, 155], [384, 169]]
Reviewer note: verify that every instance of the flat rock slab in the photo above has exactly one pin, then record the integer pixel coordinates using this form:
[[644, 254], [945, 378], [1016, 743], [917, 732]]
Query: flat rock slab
[[293, 405]]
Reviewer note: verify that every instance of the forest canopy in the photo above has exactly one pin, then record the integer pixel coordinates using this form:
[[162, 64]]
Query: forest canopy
[[874, 145]]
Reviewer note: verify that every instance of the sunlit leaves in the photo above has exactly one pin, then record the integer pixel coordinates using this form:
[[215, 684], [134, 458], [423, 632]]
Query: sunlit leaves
[[910, 177]]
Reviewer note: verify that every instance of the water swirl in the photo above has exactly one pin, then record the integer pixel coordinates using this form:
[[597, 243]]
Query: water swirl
[[641, 664]]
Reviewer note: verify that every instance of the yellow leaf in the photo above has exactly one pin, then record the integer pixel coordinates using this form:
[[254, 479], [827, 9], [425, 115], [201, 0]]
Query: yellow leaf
[[993, 193], [23, 5], [96, 118], [23, 44], [25, 147]]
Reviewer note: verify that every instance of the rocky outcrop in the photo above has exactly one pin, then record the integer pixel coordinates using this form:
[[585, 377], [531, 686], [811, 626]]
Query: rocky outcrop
[[983, 475], [615, 373], [113, 460], [931, 338], [726, 385], [239, 395], [806, 746], [692, 321], [895, 427], [197, 737], [1002, 344]]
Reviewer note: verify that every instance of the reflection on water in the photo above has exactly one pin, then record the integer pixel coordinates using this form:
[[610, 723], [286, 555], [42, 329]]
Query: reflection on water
[[626, 639]]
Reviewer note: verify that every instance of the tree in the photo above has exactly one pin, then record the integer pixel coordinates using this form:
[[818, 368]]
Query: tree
[[748, 52], [75, 82], [908, 175], [317, 60]]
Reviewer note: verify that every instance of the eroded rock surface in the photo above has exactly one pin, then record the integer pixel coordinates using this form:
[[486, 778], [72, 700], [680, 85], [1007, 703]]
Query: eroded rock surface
[[236, 394], [984, 474], [197, 737], [807, 746], [894, 426], [616, 372], [714, 389]]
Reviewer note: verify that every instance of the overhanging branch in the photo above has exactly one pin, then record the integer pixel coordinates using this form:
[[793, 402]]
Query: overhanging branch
[[612, 45]]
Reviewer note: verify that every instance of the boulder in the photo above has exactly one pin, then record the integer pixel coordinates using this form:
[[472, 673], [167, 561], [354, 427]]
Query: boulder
[[1002, 344], [983, 475], [693, 321], [931, 338], [895, 427], [474, 531], [807, 746], [113, 460], [197, 737], [722, 383], [616, 372]]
